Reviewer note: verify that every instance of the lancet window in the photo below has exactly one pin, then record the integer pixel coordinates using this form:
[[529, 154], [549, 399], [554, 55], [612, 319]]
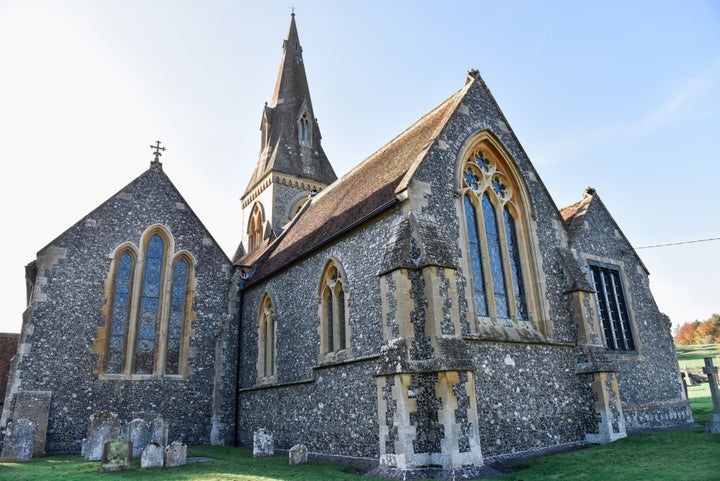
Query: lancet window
[[266, 340], [333, 311], [256, 228]]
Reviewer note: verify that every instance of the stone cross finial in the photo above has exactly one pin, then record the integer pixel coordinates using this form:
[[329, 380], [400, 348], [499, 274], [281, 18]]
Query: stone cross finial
[[713, 426], [157, 150]]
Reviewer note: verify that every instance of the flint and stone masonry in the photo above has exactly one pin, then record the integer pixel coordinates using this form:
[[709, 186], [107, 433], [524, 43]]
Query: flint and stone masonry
[[410, 363]]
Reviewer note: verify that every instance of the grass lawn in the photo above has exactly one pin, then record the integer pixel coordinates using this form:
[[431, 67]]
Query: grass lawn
[[688, 454], [692, 355]]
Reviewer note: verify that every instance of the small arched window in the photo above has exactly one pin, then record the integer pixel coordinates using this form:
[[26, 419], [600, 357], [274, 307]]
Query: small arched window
[[266, 340], [333, 312], [492, 205], [304, 129], [256, 228], [120, 311]]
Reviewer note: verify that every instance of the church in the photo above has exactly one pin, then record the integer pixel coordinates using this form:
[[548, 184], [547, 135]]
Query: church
[[430, 309]]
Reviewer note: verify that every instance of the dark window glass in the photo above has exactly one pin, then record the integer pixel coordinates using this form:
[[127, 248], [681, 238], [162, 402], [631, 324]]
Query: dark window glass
[[177, 314], [612, 307], [515, 267], [475, 259], [502, 309], [341, 316]]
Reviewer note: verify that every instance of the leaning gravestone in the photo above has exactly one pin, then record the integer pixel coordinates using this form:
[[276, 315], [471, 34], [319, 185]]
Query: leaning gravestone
[[116, 455], [35, 406], [713, 425], [152, 456], [139, 433], [103, 426], [176, 454], [19, 441], [297, 455], [263, 443]]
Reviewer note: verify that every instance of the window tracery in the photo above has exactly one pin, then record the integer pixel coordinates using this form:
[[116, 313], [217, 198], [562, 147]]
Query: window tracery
[[149, 304], [492, 205]]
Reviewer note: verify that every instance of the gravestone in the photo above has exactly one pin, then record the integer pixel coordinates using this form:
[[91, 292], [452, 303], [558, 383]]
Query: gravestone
[[263, 443], [159, 431], [298, 454], [176, 454], [19, 441], [139, 433], [152, 456], [103, 426], [116, 455], [35, 406], [713, 425]]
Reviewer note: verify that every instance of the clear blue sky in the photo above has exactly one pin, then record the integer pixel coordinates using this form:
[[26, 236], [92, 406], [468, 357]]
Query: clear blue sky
[[618, 95]]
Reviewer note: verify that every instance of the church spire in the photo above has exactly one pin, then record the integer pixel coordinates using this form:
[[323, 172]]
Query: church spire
[[290, 140], [292, 165]]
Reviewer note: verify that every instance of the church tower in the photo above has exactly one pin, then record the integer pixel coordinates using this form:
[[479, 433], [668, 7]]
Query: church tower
[[292, 164]]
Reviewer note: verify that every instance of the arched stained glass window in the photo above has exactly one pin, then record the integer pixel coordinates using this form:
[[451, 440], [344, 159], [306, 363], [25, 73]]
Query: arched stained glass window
[[496, 254], [177, 316], [149, 309], [149, 306], [120, 313]]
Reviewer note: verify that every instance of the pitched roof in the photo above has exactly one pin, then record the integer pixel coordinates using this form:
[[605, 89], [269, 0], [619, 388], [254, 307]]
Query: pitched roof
[[291, 98], [574, 217], [362, 193]]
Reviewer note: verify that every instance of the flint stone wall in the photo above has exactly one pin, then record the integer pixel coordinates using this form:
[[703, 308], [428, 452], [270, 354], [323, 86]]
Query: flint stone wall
[[649, 378], [65, 313]]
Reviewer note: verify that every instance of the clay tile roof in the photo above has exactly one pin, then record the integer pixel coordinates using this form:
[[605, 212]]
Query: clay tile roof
[[574, 215], [361, 193]]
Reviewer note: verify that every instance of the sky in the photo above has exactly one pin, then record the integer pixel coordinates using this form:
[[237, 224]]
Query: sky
[[623, 96]]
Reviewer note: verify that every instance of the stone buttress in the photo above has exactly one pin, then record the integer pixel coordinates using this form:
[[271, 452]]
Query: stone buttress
[[593, 361], [427, 411]]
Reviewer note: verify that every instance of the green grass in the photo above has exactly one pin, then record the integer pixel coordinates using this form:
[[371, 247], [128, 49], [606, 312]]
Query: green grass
[[229, 464], [687, 454], [692, 355]]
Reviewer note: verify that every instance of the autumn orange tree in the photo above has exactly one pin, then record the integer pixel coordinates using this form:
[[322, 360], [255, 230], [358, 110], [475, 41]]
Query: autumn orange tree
[[696, 332]]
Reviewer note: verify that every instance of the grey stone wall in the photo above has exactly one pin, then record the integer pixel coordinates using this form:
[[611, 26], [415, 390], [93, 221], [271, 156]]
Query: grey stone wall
[[649, 379], [529, 397], [331, 414], [65, 313], [332, 409]]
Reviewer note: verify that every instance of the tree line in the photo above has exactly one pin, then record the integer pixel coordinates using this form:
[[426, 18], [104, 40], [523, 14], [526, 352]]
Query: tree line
[[697, 332]]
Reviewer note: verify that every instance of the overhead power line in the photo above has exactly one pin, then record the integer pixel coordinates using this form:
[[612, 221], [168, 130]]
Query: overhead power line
[[679, 243]]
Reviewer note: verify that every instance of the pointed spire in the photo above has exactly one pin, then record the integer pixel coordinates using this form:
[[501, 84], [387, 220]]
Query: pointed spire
[[290, 134]]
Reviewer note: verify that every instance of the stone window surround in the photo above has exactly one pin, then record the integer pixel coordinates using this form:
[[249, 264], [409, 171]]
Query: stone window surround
[[256, 227], [100, 346], [327, 353], [528, 247], [620, 266], [267, 315], [304, 128]]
